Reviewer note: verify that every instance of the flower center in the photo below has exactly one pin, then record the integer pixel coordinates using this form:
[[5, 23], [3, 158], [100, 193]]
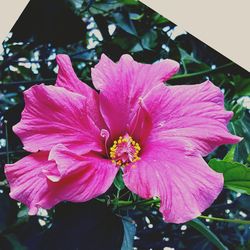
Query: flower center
[[124, 151]]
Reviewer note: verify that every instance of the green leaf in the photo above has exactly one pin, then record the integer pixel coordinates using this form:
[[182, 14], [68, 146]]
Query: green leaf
[[204, 230], [135, 16], [236, 175], [242, 85], [118, 182], [102, 7], [159, 19], [230, 155], [248, 159], [124, 42], [238, 110], [241, 127], [137, 48], [76, 3], [130, 2], [24, 72], [187, 58], [124, 22], [148, 41]]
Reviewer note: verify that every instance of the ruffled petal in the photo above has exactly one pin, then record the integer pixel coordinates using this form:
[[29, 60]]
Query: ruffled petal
[[54, 115], [27, 182], [122, 85], [43, 180], [131, 74], [193, 112], [78, 178], [173, 171], [67, 79], [140, 125]]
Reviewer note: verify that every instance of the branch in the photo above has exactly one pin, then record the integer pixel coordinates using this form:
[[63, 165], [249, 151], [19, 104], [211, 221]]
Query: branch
[[89, 4], [11, 85], [244, 222], [51, 60], [156, 202], [177, 78]]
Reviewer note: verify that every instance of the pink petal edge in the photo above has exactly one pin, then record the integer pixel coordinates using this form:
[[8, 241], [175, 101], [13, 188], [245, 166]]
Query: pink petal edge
[[194, 113], [122, 85], [68, 79], [172, 171], [39, 182], [54, 115]]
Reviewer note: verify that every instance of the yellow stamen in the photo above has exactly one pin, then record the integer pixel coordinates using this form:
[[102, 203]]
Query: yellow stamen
[[125, 141]]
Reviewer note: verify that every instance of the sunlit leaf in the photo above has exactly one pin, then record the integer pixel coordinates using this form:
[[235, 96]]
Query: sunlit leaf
[[135, 16], [230, 155], [236, 175], [159, 19]]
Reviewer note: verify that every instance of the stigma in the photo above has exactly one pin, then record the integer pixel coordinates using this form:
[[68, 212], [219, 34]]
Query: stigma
[[124, 151]]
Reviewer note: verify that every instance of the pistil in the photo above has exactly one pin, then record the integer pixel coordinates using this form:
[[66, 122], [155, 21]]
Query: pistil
[[124, 151]]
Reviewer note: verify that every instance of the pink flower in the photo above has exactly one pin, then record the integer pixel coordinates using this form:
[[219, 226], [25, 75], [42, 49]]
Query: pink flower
[[79, 138]]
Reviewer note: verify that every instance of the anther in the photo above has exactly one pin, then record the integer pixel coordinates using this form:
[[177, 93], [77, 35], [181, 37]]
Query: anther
[[124, 151]]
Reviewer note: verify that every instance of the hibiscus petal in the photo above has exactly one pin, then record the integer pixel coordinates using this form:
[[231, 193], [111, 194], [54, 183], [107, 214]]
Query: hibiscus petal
[[27, 182], [121, 86], [173, 171], [80, 178], [67, 79], [39, 182], [54, 115], [63, 158], [193, 112], [107, 74], [141, 124]]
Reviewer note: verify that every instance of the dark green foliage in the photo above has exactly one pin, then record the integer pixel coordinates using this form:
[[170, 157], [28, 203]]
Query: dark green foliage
[[202, 228], [241, 126]]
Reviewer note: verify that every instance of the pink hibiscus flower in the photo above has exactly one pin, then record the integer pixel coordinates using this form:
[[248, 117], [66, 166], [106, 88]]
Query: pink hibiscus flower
[[156, 134]]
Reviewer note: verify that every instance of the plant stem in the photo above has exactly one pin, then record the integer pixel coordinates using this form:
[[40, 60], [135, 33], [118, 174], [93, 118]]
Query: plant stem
[[122, 204], [245, 222], [7, 142], [201, 73]]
